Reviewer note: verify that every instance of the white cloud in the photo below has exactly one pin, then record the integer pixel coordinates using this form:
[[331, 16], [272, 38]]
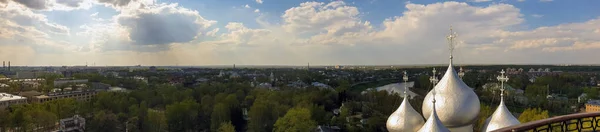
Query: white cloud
[[537, 15], [94, 15], [315, 32], [246, 6], [477, 1], [256, 10], [521, 0], [546, 0], [259, 1], [164, 24]]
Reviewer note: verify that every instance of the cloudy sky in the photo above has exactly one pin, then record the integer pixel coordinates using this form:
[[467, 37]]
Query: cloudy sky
[[294, 32]]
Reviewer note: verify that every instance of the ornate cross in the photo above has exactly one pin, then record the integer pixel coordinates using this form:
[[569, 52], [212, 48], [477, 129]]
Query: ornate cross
[[451, 41], [502, 78]]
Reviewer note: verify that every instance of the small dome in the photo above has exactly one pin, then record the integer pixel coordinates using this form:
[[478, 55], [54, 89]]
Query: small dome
[[433, 124], [501, 118], [459, 103], [405, 119]]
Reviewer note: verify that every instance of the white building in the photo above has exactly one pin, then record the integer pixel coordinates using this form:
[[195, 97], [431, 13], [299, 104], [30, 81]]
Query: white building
[[7, 100]]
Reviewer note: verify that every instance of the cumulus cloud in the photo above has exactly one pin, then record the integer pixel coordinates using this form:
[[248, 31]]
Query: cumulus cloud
[[35, 4], [116, 3], [537, 15], [164, 24], [246, 6], [315, 17], [546, 0], [70, 3], [257, 10], [480, 1], [27, 18], [317, 32], [259, 1]]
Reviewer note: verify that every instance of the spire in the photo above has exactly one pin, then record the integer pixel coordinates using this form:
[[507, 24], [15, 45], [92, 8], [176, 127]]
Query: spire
[[405, 78], [451, 43], [501, 117], [433, 124]]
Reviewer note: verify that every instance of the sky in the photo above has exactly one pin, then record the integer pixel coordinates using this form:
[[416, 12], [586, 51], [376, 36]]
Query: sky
[[296, 32]]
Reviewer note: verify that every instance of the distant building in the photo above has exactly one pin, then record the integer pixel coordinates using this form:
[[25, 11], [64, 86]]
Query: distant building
[[73, 124], [582, 98], [140, 78], [79, 95], [7, 100], [61, 82], [29, 74], [592, 106]]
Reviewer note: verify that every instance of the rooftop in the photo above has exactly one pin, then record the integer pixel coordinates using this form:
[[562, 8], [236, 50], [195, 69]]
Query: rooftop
[[7, 97]]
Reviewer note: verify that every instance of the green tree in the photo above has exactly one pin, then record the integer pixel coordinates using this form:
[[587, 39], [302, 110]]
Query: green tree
[[592, 93], [104, 121], [181, 116], [296, 120], [533, 114], [156, 121], [484, 113], [220, 114], [226, 127]]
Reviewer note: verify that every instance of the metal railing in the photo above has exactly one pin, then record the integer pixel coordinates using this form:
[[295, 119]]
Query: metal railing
[[580, 122]]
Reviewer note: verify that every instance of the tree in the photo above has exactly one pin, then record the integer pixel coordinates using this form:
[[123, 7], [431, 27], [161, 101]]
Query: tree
[[226, 127], [296, 120], [592, 93], [485, 112], [156, 121], [181, 116], [220, 114], [533, 114], [104, 121]]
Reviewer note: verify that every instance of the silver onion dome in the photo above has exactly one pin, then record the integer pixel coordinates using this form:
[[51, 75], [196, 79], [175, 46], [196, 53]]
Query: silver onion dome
[[501, 117], [458, 102], [405, 119], [433, 123]]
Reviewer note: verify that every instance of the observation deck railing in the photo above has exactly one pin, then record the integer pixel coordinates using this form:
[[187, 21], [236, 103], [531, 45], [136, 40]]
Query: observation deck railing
[[579, 122]]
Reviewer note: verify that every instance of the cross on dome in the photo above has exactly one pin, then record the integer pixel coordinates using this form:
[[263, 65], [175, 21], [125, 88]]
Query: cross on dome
[[502, 78]]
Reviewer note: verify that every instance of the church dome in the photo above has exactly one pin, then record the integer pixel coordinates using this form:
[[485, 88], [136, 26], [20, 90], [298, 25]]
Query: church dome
[[458, 103], [500, 118], [405, 118], [433, 123]]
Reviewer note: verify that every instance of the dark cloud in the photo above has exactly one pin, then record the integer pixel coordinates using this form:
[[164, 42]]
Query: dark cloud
[[34, 4], [167, 25], [117, 3], [70, 3]]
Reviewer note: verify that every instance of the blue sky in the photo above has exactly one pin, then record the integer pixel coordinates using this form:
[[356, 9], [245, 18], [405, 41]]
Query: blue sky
[[294, 32]]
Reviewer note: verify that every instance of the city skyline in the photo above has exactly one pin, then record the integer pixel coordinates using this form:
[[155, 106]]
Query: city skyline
[[267, 32]]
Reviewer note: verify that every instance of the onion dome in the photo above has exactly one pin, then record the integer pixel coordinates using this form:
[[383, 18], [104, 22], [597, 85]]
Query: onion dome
[[501, 117], [405, 118], [433, 123], [458, 101]]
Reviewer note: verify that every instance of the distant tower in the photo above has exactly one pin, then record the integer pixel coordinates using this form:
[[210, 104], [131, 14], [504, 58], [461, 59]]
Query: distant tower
[[8, 65], [234, 66], [308, 66], [3, 64]]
